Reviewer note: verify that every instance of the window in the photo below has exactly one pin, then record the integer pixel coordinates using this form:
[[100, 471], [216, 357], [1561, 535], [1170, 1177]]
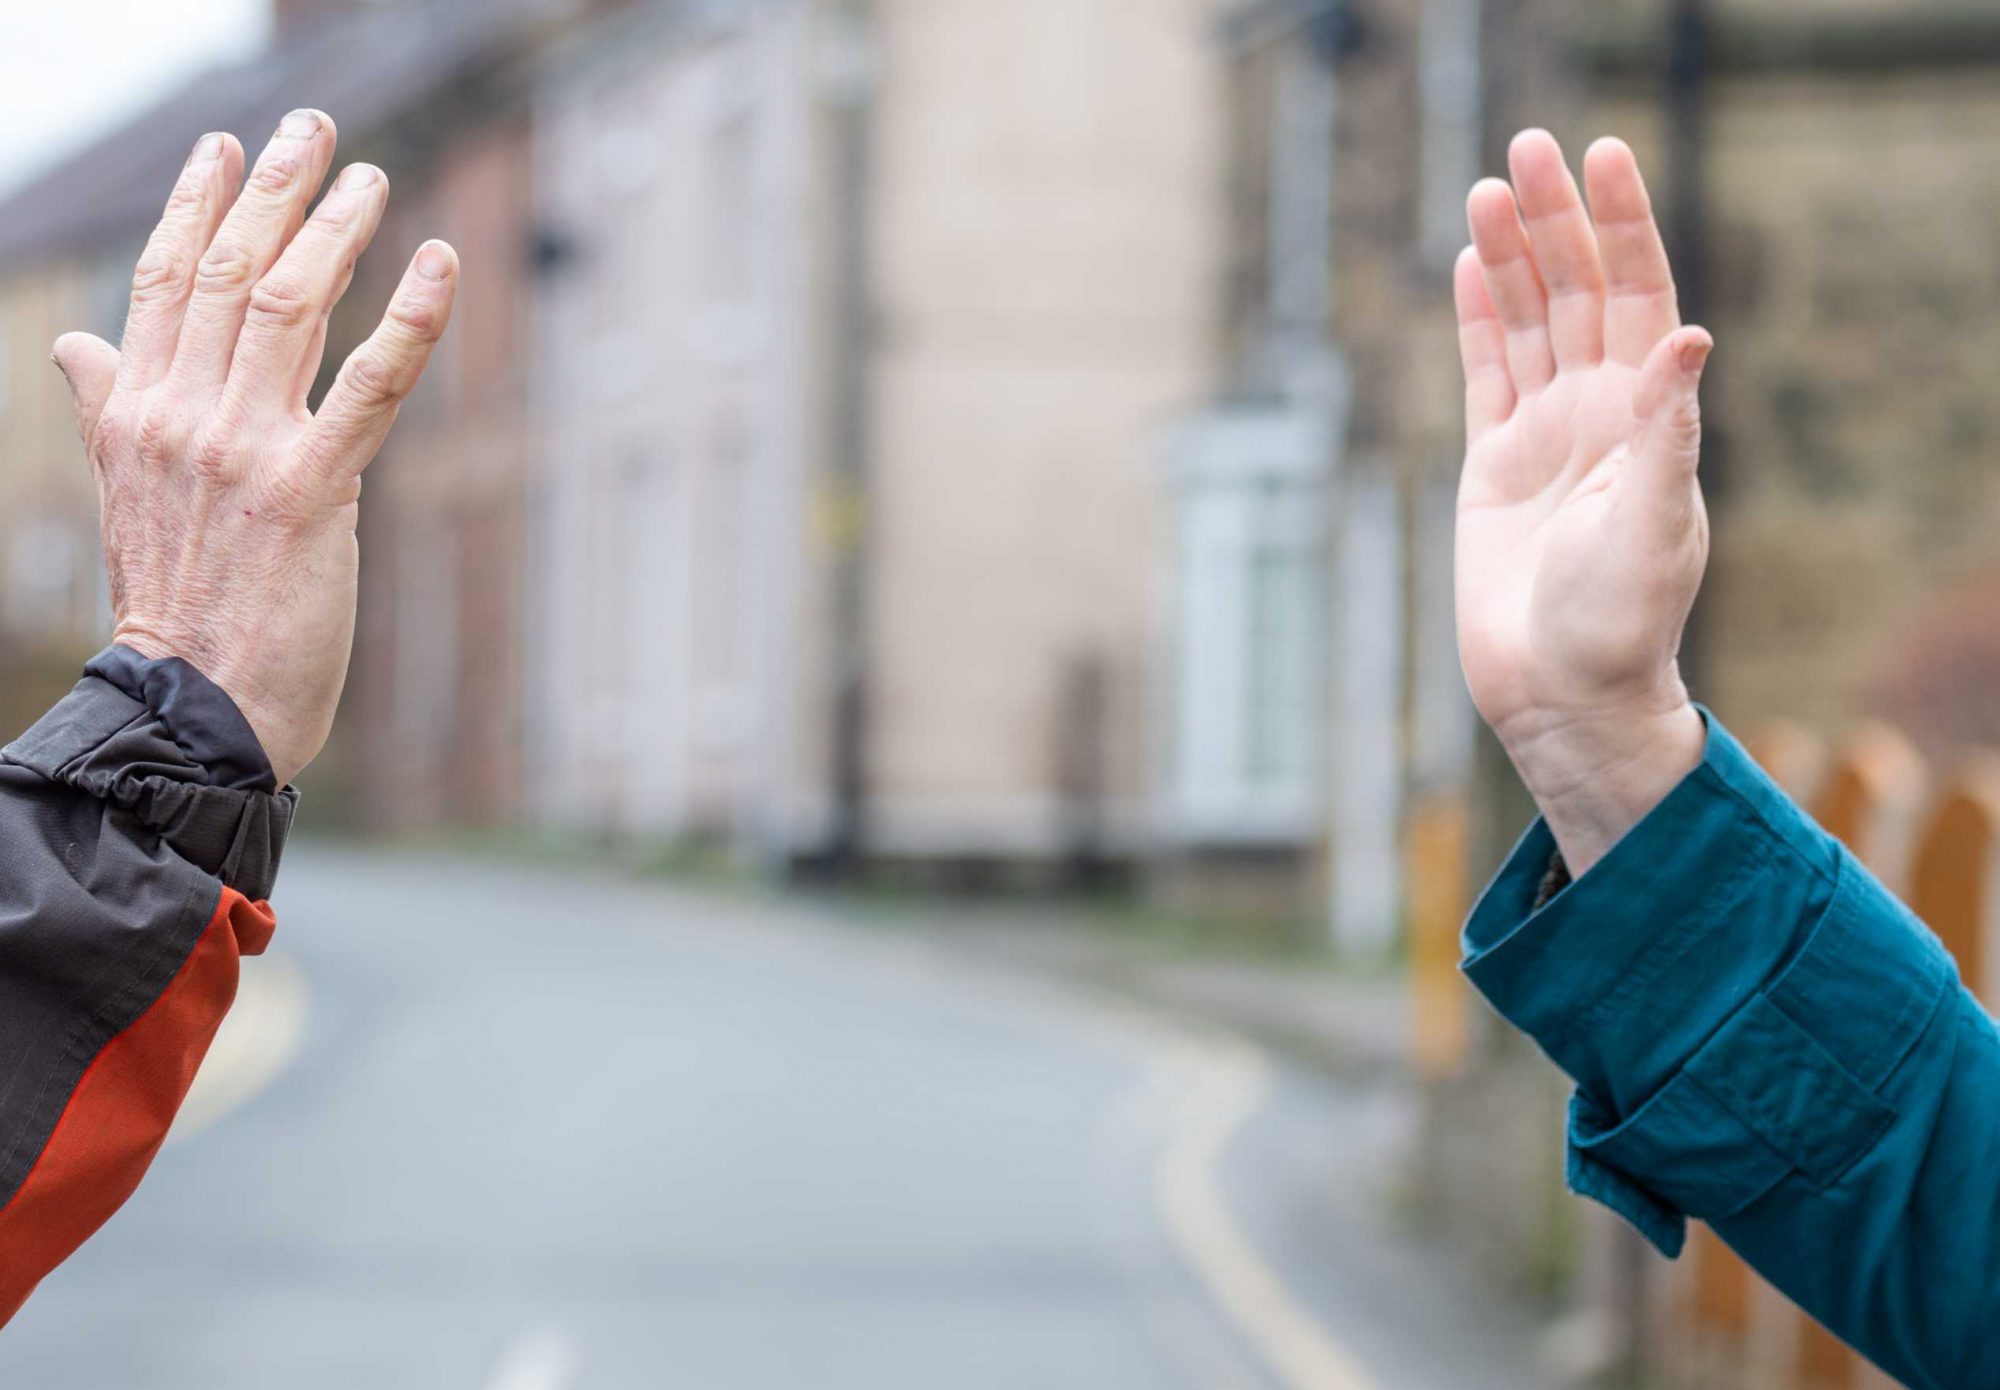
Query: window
[[1245, 683]]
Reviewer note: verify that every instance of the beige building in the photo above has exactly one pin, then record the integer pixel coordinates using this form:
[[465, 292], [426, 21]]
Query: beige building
[[1312, 676], [866, 327], [54, 608]]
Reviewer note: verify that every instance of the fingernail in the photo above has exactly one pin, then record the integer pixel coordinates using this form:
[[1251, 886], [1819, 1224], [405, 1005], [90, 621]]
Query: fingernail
[[207, 150], [299, 125], [357, 176], [1694, 356], [433, 262]]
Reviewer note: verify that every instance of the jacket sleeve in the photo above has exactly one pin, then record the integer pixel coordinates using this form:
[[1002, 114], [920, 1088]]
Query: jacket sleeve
[[140, 829], [1765, 1039]]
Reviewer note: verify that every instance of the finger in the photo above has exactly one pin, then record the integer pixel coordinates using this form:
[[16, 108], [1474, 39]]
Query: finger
[[249, 242], [1513, 283], [165, 274], [1641, 307], [287, 310], [374, 382], [315, 359], [1565, 247], [1482, 346], [91, 366], [1667, 452]]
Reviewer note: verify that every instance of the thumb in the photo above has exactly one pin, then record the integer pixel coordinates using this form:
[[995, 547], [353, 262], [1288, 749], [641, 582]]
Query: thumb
[[1668, 407], [91, 365]]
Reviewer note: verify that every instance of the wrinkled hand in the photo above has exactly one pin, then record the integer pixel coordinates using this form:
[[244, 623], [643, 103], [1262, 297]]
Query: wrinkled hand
[[228, 507], [1581, 530]]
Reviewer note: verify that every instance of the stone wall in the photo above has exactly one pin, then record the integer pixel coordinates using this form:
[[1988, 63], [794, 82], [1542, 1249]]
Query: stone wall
[[1855, 286]]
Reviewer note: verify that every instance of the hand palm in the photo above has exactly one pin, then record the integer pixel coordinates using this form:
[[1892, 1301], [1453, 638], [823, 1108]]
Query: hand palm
[[1581, 534]]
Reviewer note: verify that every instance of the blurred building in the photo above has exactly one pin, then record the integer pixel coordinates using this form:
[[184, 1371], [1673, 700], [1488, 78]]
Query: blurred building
[[1313, 687], [856, 327], [54, 603], [787, 478], [425, 92], [1024, 434]]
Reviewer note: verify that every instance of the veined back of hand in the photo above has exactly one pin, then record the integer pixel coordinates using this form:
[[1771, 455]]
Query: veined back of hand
[[229, 507]]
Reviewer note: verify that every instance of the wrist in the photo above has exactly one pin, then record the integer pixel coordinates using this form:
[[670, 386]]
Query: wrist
[[265, 727], [1596, 773], [168, 747]]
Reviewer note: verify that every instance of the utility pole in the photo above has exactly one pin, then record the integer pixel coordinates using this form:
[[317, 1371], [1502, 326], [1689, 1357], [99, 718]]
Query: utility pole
[[850, 77], [1685, 114], [1688, 59]]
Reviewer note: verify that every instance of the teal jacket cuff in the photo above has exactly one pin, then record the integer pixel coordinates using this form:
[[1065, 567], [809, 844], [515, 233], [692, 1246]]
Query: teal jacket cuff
[[1728, 989], [1626, 971]]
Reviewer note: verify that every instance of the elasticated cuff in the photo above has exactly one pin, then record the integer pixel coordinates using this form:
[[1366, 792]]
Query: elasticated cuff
[[165, 743]]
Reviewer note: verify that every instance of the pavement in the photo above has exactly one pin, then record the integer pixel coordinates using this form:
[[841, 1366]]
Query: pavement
[[1353, 1023], [509, 1128]]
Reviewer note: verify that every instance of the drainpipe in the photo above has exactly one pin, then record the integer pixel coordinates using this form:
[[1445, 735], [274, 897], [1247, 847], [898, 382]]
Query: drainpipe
[[1685, 113], [850, 79], [1689, 63]]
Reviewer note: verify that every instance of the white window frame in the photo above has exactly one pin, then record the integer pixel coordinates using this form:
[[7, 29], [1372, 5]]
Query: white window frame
[[1249, 484]]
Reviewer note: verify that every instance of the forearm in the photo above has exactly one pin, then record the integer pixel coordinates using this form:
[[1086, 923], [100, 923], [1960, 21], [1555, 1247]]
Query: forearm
[[1595, 776], [1904, 1259], [142, 831], [1764, 1039]]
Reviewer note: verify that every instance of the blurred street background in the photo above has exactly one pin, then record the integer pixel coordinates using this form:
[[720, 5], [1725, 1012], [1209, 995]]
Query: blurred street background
[[905, 798]]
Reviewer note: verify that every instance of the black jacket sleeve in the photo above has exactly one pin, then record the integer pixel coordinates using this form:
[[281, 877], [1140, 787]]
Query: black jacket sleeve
[[140, 831]]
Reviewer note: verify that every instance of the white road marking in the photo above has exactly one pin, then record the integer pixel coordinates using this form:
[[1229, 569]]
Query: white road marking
[[257, 1041], [544, 1358]]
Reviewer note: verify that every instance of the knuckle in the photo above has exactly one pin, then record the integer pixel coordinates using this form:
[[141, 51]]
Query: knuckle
[[291, 496], [374, 381], [282, 303], [190, 193], [212, 456], [275, 174], [153, 433], [160, 271], [226, 268], [116, 437], [331, 219], [418, 316]]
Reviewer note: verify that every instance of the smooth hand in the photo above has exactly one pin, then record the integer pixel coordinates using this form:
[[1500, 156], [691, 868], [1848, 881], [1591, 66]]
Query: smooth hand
[[1581, 530], [228, 506]]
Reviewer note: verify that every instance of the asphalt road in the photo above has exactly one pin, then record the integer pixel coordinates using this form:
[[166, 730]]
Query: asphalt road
[[551, 1132]]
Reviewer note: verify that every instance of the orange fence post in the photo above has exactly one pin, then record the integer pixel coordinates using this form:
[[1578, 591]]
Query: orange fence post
[[1721, 1291], [1870, 797], [1951, 878], [1436, 848], [1869, 800], [1791, 755], [1868, 803]]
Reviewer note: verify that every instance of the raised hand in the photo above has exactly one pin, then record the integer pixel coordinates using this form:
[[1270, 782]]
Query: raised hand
[[228, 507], [1581, 530]]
